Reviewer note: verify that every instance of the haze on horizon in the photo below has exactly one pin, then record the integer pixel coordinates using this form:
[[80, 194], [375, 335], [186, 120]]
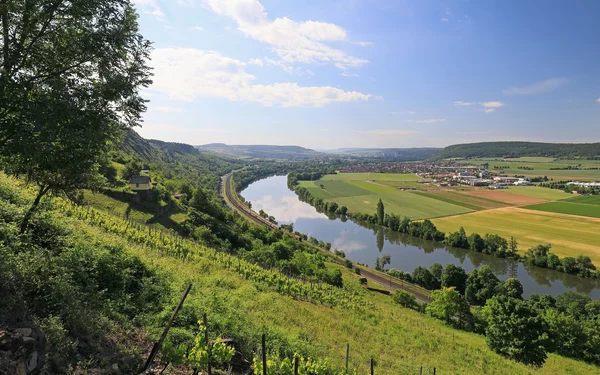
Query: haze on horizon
[[363, 73]]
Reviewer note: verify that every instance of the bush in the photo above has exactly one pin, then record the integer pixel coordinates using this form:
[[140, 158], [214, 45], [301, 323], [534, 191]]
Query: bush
[[405, 299]]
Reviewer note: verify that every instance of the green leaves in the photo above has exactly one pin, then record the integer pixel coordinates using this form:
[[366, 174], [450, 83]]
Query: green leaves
[[516, 331]]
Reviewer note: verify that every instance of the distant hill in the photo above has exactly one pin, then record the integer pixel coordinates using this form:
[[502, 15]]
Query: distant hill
[[261, 151], [400, 154], [520, 149], [177, 159]]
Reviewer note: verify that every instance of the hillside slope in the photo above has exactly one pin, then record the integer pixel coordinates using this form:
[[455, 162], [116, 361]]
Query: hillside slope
[[520, 149], [240, 305]]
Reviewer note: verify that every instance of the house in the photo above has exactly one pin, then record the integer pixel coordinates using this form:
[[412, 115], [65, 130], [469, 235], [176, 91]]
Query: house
[[141, 184]]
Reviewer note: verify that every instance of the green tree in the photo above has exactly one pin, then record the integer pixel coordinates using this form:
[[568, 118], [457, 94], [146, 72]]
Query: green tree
[[423, 277], [476, 243], [511, 287], [436, 270], [566, 333], [405, 299], [69, 85], [454, 276], [572, 303], [481, 285], [380, 212], [450, 306], [516, 331], [458, 239]]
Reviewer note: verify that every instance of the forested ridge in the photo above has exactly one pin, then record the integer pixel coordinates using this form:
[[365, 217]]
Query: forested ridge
[[520, 149]]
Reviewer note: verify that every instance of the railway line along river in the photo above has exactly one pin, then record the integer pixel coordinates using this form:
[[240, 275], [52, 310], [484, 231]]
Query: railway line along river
[[364, 244]]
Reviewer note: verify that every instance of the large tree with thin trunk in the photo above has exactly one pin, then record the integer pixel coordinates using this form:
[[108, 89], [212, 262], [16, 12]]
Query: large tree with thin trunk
[[70, 74]]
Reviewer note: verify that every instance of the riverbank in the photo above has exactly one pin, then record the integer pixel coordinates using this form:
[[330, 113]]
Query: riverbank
[[364, 243]]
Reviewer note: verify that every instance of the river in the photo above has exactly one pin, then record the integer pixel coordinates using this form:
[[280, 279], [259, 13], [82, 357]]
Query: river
[[364, 244]]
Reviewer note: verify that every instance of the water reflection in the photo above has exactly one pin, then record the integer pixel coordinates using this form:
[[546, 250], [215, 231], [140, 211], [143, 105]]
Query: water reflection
[[364, 243], [286, 209]]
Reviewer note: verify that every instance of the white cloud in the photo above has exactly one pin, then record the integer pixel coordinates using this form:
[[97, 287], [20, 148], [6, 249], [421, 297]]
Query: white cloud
[[444, 20], [598, 100], [198, 28], [430, 121], [491, 104], [404, 113], [390, 132], [187, 74], [363, 44], [546, 85], [488, 107], [150, 7], [165, 109], [292, 41], [346, 74], [258, 62]]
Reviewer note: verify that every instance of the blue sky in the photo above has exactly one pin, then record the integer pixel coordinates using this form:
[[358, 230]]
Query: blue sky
[[372, 73]]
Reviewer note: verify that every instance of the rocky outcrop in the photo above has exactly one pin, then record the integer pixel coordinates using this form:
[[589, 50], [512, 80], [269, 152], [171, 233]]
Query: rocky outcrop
[[22, 351]]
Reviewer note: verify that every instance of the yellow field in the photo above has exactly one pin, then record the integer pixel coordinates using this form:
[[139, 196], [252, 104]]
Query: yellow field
[[569, 235]]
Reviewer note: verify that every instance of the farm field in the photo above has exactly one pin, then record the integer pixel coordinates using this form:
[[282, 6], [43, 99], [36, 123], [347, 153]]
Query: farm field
[[591, 199], [371, 176], [504, 197], [570, 209], [542, 167], [402, 184], [569, 235], [464, 200], [332, 189], [539, 192], [351, 190]]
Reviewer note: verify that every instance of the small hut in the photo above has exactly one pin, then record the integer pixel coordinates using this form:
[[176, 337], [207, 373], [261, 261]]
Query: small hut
[[141, 184]]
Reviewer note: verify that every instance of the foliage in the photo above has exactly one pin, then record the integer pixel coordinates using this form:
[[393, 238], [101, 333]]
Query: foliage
[[454, 276], [285, 366], [518, 149], [511, 287], [202, 352], [516, 331], [405, 299], [450, 306], [380, 212], [481, 285], [68, 87]]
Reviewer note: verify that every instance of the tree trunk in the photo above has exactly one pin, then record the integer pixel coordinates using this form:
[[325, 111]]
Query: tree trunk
[[5, 38], [43, 190]]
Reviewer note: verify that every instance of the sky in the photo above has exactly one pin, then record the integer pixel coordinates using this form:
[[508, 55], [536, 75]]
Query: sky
[[328, 74]]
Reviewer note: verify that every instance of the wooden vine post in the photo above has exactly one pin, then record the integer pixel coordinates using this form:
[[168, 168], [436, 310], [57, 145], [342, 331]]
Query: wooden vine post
[[158, 344]]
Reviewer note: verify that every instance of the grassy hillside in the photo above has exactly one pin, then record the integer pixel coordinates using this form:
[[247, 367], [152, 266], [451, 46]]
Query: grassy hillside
[[238, 304], [520, 149]]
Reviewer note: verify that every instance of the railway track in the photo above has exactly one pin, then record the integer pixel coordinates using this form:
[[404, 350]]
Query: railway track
[[422, 295]]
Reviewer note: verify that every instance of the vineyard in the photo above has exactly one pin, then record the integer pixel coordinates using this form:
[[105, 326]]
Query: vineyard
[[168, 244]]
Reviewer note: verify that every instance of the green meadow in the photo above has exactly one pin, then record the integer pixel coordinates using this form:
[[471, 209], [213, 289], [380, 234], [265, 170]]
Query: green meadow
[[358, 195], [590, 199], [570, 209]]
